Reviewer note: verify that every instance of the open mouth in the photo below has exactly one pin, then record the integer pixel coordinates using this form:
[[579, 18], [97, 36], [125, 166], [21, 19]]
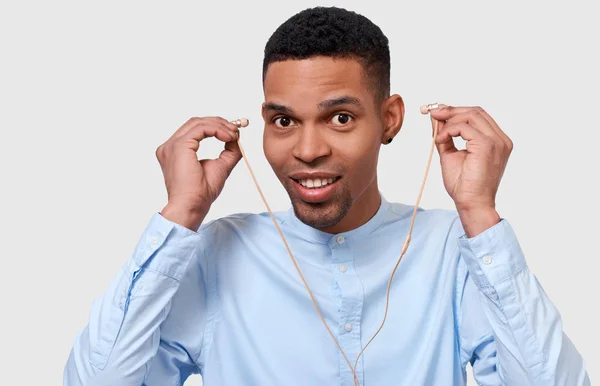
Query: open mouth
[[315, 183], [316, 189]]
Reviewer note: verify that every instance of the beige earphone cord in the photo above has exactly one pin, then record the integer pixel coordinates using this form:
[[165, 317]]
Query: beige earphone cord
[[424, 110]]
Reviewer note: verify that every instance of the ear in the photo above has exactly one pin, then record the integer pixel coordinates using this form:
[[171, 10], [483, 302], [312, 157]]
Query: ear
[[262, 110], [392, 114]]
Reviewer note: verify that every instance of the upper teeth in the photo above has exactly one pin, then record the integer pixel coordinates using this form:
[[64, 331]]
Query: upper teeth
[[316, 182]]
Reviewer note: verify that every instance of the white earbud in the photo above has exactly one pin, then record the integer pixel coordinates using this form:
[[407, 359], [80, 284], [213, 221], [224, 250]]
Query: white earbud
[[427, 108], [243, 122]]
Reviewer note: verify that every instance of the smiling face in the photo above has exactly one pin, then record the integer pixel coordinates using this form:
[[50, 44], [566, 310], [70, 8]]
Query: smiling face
[[323, 131]]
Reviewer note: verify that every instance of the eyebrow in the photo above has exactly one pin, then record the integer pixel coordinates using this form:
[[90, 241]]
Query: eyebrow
[[326, 104], [278, 108], [344, 100]]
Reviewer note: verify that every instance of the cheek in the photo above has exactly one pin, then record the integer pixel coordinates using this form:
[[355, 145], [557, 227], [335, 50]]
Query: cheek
[[273, 153], [362, 162]]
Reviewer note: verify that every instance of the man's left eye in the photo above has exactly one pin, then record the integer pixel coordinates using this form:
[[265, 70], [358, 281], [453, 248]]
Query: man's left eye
[[341, 119]]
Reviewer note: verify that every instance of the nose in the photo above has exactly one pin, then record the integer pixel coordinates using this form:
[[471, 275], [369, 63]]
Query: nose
[[310, 145]]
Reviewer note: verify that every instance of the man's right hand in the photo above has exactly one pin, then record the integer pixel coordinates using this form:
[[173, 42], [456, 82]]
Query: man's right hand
[[193, 184]]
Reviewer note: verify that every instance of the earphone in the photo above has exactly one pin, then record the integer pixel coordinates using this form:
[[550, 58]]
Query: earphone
[[425, 109], [243, 122]]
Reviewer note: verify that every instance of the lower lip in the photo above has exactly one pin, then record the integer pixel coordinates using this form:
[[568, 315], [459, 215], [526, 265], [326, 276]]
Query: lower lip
[[314, 195]]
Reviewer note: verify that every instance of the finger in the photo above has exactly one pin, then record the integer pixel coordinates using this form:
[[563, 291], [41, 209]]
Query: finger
[[229, 125], [186, 126], [445, 112], [200, 132], [230, 156], [444, 139], [445, 146], [440, 125], [497, 129], [474, 118], [208, 121]]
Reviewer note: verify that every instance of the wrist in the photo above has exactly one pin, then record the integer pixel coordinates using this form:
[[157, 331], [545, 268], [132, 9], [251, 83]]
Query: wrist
[[477, 220], [183, 215]]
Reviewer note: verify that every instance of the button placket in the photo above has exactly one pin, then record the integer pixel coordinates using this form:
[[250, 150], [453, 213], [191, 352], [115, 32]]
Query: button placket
[[350, 297]]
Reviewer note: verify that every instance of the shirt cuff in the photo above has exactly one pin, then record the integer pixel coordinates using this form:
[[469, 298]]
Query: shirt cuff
[[166, 247], [493, 255]]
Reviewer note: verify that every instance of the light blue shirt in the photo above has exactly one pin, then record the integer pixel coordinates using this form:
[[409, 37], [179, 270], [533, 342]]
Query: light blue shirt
[[227, 302]]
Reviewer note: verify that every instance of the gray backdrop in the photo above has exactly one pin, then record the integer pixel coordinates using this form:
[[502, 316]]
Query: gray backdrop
[[89, 90]]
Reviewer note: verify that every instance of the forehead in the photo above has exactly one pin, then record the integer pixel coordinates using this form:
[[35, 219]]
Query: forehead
[[298, 82]]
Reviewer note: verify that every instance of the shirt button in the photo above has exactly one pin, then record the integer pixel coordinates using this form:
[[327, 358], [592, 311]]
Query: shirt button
[[487, 260], [153, 241], [348, 327], [343, 268], [340, 240]]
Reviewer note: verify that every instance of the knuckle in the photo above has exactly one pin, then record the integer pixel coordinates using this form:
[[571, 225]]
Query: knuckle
[[229, 125], [472, 114], [215, 120], [194, 119], [159, 151], [475, 112], [510, 144]]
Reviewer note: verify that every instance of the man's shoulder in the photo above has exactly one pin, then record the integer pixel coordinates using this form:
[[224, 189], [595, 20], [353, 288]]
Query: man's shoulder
[[430, 223], [429, 216], [245, 222], [440, 215]]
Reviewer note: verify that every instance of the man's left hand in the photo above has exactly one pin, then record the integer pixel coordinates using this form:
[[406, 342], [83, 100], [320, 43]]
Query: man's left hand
[[472, 176]]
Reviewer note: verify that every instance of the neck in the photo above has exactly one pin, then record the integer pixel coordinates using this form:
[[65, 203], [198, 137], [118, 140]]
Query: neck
[[362, 210]]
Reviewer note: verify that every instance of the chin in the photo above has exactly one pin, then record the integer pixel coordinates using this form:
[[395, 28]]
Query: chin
[[321, 215]]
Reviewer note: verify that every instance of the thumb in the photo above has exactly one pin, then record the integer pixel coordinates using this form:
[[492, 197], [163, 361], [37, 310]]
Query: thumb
[[443, 142], [230, 156]]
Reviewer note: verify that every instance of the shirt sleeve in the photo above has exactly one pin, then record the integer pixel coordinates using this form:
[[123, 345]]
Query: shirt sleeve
[[510, 331], [122, 341]]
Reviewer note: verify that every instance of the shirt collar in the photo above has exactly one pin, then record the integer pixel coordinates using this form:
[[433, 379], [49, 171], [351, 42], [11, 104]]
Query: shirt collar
[[319, 236]]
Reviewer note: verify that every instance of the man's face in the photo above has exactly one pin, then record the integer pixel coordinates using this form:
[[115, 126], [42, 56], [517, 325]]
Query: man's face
[[322, 135]]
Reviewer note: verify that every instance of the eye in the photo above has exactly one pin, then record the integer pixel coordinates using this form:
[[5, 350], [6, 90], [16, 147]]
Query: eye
[[283, 122], [341, 119]]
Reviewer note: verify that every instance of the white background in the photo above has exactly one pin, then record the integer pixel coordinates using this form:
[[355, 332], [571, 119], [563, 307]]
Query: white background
[[89, 90]]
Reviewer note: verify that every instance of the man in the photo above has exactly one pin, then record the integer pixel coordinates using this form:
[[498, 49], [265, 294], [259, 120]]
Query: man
[[224, 300]]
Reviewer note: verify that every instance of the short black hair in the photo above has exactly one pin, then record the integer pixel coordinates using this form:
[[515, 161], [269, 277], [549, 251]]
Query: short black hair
[[334, 32]]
